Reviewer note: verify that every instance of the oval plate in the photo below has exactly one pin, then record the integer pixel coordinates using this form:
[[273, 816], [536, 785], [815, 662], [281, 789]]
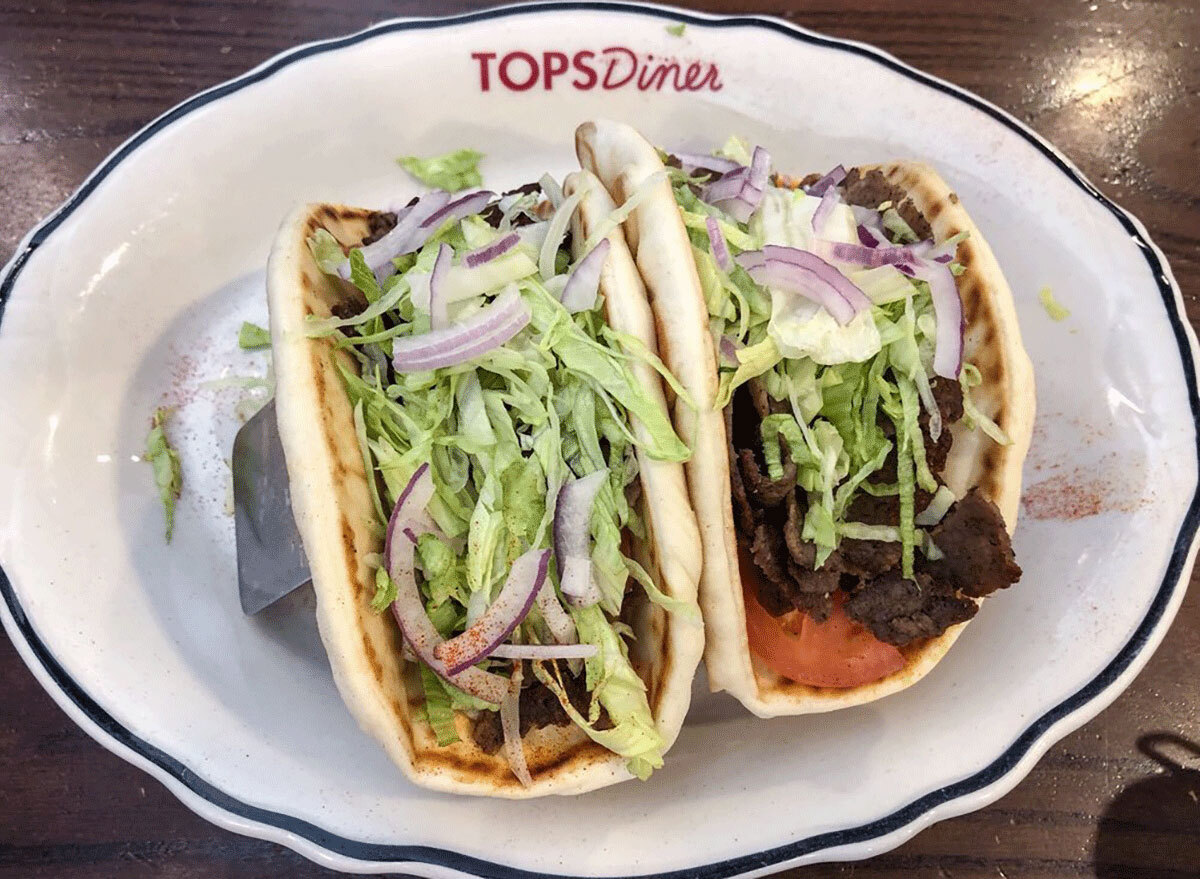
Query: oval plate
[[130, 296]]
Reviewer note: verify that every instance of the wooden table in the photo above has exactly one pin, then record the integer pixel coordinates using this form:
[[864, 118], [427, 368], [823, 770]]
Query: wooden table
[[1114, 83]]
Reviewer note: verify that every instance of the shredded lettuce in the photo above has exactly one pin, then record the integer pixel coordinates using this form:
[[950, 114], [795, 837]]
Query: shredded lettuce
[[969, 378], [438, 710], [842, 382], [252, 336], [385, 591], [452, 171], [502, 433], [614, 685], [676, 30], [168, 474], [752, 361], [1054, 308], [326, 251], [735, 148], [902, 233]]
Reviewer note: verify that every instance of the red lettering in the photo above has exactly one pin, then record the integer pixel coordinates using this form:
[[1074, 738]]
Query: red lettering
[[485, 82], [512, 84], [613, 53], [658, 77], [581, 64], [612, 68], [553, 64], [712, 79]]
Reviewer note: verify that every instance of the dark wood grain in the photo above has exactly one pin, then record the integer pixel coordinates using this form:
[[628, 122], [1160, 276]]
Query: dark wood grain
[[1114, 83]]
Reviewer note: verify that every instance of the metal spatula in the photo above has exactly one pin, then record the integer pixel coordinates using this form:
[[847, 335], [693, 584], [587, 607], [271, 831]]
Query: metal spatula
[[270, 556]]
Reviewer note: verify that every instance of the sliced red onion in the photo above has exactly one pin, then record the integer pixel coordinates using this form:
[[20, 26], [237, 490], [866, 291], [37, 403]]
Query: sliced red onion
[[525, 578], [422, 637], [689, 162], [947, 310], [409, 513], [727, 186], [552, 190], [872, 257], [533, 235], [489, 252], [540, 652], [943, 253], [573, 516], [830, 180], [577, 583], [456, 210], [438, 315], [807, 274], [489, 328], [510, 723], [729, 352], [821, 215], [556, 232], [797, 279], [868, 217], [405, 237], [740, 192], [871, 237], [572, 537], [584, 283], [562, 627], [716, 241], [760, 167], [925, 392], [407, 518]]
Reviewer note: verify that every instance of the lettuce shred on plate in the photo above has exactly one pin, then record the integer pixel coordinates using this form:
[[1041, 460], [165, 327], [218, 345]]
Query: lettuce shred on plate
[[501, 433], [1055, 309], [252, 336], [165, 460], [453, 171]]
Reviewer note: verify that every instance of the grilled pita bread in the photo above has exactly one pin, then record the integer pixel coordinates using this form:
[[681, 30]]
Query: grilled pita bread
[[334, 514], [624, 160]]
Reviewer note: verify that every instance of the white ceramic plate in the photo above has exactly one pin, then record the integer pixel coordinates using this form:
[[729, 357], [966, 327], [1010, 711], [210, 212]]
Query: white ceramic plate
[[130, 295]]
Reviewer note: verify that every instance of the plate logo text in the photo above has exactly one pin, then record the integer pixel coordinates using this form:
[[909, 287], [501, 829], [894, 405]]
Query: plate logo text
[[614, 67]]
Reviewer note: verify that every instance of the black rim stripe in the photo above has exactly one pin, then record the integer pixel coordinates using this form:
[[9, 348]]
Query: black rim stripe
[[897, 820]]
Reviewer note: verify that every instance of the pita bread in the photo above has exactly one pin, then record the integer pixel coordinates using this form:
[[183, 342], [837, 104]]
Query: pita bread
[[335, 517], [623, 160]]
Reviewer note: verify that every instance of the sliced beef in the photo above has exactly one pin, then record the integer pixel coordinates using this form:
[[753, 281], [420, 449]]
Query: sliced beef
[[762, 490], [764, 405], [948, 396], [802, 551], [866, 558], [783, 585], [378, 225], [344, 309], [978, 552], [813, 592], [785, 182], [487, 731], [742, 510], [673, 162], [871, 510], [947, 393], [900, 611], [771, 557], [539, 708], [492, 213], [750, 405], [872, 189]]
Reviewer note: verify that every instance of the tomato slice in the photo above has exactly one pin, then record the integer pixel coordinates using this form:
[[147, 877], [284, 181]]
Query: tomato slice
[[836, 653]]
